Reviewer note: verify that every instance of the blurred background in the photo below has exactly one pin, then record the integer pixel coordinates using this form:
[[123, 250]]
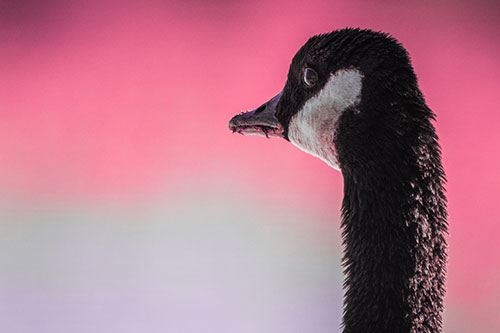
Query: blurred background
[[126, 205]]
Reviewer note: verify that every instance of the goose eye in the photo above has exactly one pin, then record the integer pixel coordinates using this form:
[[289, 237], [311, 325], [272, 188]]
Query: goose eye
[[310, 77]]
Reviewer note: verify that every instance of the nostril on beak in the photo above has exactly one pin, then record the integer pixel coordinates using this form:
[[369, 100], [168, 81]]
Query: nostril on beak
[[261, 108]]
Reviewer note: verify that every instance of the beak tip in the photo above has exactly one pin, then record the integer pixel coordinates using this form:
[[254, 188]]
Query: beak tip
[[261, 121]]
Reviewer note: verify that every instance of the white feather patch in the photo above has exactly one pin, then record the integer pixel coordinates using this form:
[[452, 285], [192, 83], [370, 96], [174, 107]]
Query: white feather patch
[[312, 129]]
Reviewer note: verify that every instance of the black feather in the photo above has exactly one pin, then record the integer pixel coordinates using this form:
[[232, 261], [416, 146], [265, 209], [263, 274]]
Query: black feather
[[394, 207]]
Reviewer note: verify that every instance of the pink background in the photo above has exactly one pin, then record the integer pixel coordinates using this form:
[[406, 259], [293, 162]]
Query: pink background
[[126, 204]]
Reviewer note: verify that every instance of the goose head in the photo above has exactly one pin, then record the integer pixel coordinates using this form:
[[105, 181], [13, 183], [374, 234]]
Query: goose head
[[343, 100]]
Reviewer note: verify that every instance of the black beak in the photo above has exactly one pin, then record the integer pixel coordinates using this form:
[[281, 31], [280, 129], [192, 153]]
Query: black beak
[[261, 121]]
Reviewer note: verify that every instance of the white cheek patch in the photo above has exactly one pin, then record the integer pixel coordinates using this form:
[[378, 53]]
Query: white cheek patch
[[312, 129]]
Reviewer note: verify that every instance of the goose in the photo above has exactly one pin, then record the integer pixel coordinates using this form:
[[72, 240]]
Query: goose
[[352, 99]]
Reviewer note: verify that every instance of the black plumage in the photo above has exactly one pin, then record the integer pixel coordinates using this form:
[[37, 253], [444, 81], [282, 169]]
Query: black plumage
[[394, 206]]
